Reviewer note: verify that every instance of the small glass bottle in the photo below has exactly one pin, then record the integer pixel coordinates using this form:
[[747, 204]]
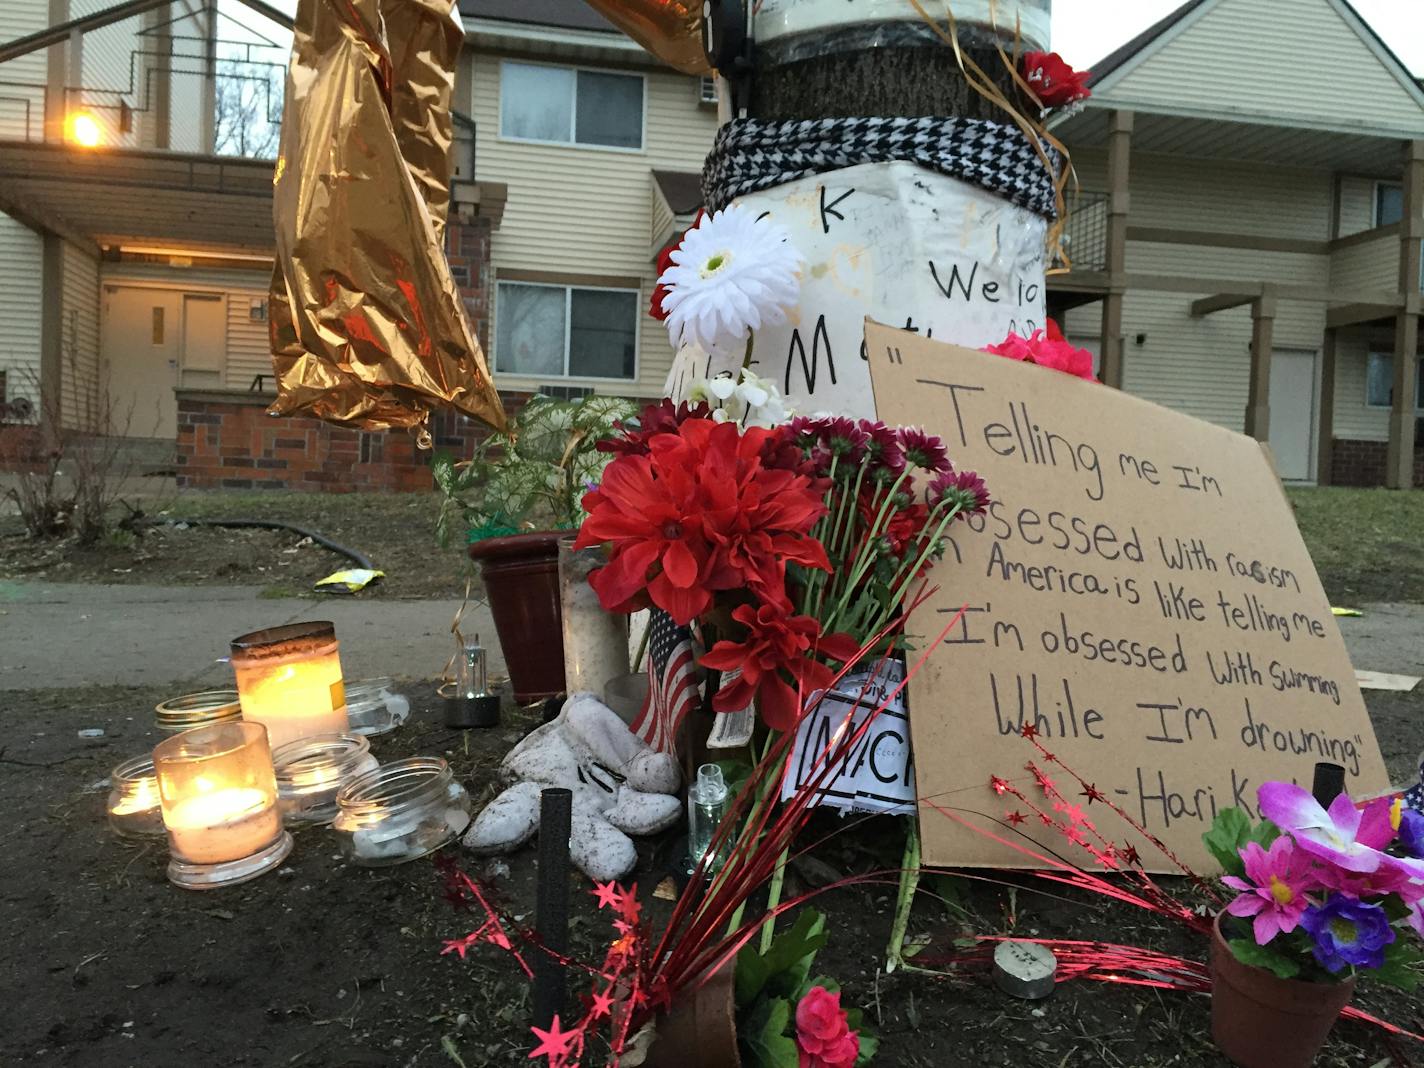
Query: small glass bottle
[[706, 805]]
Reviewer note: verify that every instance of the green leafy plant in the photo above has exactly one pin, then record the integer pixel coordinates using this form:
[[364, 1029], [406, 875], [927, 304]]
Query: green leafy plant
[[771, 984], [533, 476]]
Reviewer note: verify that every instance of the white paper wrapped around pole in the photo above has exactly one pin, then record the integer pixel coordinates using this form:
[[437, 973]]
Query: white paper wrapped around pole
[[901, 244]]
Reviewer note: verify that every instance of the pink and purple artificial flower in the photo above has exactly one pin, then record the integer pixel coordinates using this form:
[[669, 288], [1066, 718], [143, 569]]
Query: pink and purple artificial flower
[[1273, 892]]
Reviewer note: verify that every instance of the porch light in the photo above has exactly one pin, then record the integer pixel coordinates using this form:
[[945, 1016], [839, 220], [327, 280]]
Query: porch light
[[84, 129]]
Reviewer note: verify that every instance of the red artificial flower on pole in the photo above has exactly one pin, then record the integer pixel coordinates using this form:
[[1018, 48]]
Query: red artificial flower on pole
[[775, 642], [1053, 81], [1047, 348]]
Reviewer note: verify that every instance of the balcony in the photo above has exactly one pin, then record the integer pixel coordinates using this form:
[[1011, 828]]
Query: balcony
[[1085, 238]]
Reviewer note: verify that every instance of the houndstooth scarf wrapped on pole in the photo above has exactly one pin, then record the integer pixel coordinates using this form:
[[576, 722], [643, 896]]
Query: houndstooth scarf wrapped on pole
[[749, 155]]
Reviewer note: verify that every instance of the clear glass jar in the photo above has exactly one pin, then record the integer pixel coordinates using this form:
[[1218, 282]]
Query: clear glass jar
[[289, 678], [311, 772], [219, 796], [373, 707], [197, 710], [400, 811], [595, 640], [134, 805]]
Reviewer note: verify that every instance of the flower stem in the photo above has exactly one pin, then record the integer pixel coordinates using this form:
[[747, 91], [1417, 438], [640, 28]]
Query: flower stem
[[773, 899], [904, 902]]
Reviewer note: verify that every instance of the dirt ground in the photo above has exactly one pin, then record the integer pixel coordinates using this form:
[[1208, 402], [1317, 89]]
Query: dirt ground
[[325, 964], [396, 531]]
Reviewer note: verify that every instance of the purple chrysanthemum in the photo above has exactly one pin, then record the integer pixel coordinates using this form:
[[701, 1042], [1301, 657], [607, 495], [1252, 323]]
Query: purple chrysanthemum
[[962, 488], [925, 451], [883, 446]]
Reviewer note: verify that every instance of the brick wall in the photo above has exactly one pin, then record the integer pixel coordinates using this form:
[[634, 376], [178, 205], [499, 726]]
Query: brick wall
[[228, 441], [467, 247], [1362, 463]]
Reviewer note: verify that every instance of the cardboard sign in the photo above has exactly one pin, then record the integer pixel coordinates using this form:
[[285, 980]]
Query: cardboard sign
[[1138, 591], [877, 773], [901, 244]]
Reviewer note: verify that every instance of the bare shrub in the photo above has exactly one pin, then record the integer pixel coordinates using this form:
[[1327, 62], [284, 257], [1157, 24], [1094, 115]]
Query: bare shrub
[[69, 472]]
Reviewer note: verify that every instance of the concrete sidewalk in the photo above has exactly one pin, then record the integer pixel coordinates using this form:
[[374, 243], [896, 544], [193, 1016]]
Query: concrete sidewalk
[[61, 634]]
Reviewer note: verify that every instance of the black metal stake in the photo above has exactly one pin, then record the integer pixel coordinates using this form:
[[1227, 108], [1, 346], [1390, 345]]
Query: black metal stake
[[1329, 782], [551, 905]]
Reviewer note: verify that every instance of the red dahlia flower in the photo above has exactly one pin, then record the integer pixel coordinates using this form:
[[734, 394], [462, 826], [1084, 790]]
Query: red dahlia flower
[[699, 513], [1053, 81], [775, 642]]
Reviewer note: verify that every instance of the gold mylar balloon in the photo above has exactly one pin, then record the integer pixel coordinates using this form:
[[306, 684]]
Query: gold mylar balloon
[[367, 327], [669, 29]]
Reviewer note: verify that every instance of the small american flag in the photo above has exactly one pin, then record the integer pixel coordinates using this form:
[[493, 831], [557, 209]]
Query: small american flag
[[673, 690]]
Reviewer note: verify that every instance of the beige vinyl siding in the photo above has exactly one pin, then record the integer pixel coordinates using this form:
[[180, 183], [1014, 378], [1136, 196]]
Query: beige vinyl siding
[[583, 211], [660, 217], [83, 399], [1372, 265], [1226, 197], [22, 104], [248, 353], [1318, 70], [21, 295], [1354, 419], [1201, 366], [1357, 206]]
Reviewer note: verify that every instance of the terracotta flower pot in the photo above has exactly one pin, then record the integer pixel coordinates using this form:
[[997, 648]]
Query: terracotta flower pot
[[521, 576], [700, 1031], [1260, 1021]]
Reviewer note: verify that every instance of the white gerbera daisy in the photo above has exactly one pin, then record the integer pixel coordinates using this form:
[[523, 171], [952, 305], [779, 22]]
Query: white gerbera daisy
[[732, 274]]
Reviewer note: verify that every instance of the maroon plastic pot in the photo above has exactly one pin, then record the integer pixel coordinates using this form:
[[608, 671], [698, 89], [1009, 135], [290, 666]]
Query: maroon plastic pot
[[1260, 1021], [521, 577]]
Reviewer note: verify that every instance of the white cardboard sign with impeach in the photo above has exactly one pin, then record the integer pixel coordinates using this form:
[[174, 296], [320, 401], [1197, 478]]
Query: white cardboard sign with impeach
[[900, 244], [873, 772], [1138, 592]]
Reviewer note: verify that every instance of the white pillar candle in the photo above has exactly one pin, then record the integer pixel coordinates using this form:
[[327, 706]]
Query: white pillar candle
[[289, 680]]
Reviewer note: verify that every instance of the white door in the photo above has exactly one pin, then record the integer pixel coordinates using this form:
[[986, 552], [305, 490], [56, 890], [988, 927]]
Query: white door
[[1293, 422], [141, 341]]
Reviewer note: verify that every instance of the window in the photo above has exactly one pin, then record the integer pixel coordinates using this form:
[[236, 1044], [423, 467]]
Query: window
[[1389, 203], [706, 90], [1379, 381], [566, 332], [565, 105]]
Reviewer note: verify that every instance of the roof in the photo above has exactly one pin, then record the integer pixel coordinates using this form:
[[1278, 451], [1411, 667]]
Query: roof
[[564, 14], [1118, 56], [681, 189]]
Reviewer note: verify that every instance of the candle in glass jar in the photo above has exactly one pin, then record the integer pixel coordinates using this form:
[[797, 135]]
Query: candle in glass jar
[[225, 825], [142, 798], [133, 799], [289, 679], [219, 804]]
